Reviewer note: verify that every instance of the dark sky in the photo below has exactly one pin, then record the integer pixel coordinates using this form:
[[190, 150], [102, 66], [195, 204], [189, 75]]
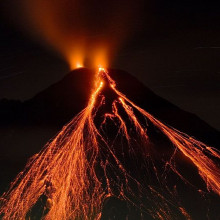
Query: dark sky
[[174, 49]]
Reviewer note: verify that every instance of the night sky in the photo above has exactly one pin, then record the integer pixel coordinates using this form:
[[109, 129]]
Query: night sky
[[173, 47]]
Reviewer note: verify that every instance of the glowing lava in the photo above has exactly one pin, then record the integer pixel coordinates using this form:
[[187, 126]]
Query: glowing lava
[[81, 167]]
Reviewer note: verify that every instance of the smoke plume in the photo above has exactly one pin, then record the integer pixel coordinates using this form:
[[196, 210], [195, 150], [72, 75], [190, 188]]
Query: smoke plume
[[85, 32]]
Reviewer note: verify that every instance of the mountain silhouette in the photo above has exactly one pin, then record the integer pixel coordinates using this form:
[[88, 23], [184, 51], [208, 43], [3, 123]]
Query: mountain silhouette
[[27, 126], [57, 104]]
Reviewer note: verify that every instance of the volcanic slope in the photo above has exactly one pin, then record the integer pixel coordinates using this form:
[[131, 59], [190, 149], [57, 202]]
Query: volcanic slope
[[157, 180]]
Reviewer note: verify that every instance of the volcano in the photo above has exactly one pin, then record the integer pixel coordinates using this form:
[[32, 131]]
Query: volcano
[[121, 157]]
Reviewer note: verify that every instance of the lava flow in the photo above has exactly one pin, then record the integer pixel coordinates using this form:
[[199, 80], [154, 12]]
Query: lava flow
[[95, 158]]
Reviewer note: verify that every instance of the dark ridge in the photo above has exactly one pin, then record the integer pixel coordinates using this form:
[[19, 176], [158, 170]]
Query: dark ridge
[[56, 105]]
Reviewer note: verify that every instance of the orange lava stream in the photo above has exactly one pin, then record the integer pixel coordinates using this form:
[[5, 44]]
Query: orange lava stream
[[190, 147], [67, 171]]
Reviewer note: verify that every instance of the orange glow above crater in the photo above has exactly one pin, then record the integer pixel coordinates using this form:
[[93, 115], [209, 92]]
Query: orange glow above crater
[[94, 59]]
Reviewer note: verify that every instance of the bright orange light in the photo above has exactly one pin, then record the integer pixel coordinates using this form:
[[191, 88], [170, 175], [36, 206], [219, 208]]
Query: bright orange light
[[79, 65], [76, 58], [101, 69], [100, 57], [76, 65]]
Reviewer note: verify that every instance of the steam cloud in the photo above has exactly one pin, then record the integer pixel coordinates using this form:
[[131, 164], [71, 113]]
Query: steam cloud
[[85, 31]]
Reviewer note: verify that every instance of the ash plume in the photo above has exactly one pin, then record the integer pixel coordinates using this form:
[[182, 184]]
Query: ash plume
[[82, 31]]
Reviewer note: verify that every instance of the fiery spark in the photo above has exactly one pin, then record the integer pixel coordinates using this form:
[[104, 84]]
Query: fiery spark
[[82, 167]]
